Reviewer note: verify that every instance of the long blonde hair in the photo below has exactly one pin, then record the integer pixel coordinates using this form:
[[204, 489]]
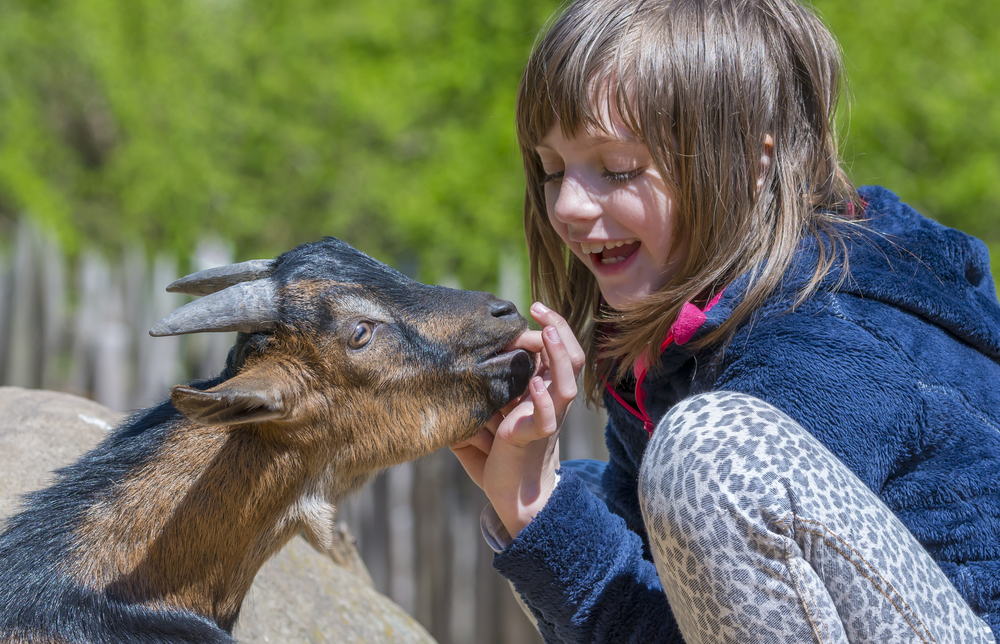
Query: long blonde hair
[[701, 83]]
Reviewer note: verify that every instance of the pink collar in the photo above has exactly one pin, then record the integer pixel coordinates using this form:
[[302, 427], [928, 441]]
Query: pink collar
[[689, 320]]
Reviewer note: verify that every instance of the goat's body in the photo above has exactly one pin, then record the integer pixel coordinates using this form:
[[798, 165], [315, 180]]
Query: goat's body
[[153, 536], [42, 595]]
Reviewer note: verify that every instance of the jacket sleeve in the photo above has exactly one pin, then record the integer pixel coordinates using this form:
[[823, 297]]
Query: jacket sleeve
[[582, 573]]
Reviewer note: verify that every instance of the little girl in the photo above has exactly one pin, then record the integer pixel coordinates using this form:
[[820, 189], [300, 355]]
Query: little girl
[[800, 377]]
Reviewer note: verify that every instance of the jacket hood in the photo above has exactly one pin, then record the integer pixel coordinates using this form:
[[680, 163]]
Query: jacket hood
[[904, 259]]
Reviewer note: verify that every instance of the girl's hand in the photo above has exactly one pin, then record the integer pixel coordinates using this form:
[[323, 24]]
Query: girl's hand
[[515, 456]]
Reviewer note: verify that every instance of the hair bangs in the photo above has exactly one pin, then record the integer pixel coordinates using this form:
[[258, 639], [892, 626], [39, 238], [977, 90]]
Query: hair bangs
[[578, 73]]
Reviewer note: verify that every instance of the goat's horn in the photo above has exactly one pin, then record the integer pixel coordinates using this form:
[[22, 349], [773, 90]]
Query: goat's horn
[[247, 307], [215, 279]]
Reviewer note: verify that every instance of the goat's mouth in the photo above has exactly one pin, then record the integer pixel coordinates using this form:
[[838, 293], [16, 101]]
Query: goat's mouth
[[500, 357], [510, 372]]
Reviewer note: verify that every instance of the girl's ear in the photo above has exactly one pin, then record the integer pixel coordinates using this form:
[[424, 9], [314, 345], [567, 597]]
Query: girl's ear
[[252, 396], [765, 160]]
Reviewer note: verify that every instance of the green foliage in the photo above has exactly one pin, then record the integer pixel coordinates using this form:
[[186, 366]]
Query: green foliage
[[387, 124], [923, 116], [390, 124]]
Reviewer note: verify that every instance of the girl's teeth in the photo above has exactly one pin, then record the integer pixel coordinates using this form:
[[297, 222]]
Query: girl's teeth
[[599, 247]]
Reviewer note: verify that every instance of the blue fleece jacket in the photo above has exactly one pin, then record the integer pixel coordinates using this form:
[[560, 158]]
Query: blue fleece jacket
[[896, 371]]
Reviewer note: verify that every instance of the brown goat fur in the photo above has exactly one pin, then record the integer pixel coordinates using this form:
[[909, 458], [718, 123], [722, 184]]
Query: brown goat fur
[[157, 534]]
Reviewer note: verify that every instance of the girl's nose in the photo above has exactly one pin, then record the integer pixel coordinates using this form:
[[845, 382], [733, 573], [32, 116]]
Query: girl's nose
[[575, 201]]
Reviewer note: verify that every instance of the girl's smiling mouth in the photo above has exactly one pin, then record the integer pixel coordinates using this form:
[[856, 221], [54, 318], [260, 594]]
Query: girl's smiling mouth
[[608, 253]]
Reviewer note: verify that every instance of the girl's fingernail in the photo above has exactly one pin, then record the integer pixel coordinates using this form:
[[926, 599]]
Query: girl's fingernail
[[537, 385], [552, 334], [540, 308]]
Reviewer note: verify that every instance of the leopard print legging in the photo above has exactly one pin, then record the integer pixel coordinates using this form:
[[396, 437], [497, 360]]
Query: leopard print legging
[[759, 534]]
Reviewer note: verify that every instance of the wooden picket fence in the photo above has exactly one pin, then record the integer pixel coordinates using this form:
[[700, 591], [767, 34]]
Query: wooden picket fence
[[82, 327]]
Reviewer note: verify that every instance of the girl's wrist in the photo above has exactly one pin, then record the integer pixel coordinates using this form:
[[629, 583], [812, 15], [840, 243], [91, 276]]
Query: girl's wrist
[[516, 514], [518, 519]]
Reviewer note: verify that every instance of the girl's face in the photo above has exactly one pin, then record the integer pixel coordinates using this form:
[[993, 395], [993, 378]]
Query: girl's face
[[606, 199]]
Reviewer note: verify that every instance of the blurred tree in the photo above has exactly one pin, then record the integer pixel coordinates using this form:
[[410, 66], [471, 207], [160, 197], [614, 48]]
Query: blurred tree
[[390, 124], [387, 124], [924, 110]]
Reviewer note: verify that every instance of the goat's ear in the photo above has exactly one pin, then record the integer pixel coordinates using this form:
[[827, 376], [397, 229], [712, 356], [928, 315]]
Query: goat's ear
[[246, 398]]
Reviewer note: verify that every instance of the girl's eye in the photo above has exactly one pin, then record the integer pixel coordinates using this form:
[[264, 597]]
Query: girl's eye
[[361, 335], [622, 177], [555, 176]]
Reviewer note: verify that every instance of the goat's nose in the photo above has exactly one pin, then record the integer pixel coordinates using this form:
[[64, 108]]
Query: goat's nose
[[502, 309]]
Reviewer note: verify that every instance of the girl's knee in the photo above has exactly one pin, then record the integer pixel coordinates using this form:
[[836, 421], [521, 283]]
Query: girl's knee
[[699, 426], [717, 440]]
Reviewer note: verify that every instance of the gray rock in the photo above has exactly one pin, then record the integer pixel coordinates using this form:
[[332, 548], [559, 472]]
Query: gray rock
[[301, 595], [41, 431]]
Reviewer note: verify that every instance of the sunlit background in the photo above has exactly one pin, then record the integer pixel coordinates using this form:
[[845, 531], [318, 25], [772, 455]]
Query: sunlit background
[[140, 139]]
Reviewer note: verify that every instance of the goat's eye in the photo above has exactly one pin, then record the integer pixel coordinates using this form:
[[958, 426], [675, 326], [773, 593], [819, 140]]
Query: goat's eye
[[361, 335]]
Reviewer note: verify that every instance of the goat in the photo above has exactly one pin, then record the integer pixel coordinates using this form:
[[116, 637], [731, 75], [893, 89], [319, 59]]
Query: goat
[[342, 367]]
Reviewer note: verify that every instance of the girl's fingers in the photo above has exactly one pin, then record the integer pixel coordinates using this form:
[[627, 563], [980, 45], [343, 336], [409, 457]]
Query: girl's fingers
[[543, 363], [473, 460], [517, 424], [547, 317], [532, 420], [483, 441], [530, 341], [494, 423], [563, 373], [537, 414], [473, 453], [543, 417]]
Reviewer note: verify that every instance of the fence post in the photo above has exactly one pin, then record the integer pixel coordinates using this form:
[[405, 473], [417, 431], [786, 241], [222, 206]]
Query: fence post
[[87, 290], [400, 480], [375, 521], [511, 280], [54, 314], [158, 360], [433, 504], [110, 342], [463, 518], [24, 355], [489, 586], [6, 292]]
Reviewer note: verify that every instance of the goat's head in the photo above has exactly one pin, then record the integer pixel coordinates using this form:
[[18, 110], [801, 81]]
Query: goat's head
[[349, 358]]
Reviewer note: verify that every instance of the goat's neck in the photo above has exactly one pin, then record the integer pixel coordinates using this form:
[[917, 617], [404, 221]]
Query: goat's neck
[[192, 526]]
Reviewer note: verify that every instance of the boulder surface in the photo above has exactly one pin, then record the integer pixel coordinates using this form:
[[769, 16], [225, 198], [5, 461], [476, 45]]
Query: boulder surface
[[301, 595]]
